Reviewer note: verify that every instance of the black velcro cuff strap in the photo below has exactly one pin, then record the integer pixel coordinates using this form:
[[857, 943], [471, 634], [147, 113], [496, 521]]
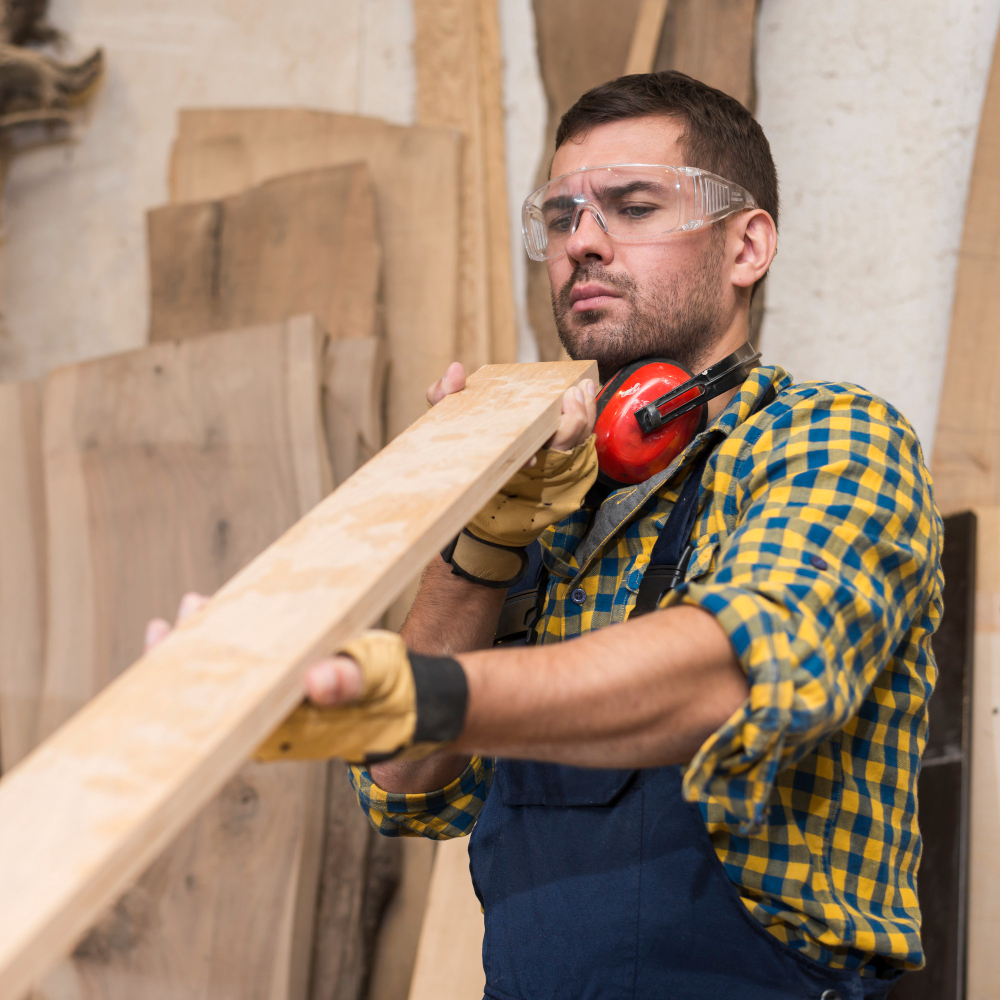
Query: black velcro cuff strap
[[442, 697]]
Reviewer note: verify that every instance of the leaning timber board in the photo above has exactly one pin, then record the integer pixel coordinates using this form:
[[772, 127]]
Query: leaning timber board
[[91, 807], [304, 243], [416, 174], [22, 569], [169, 468], [982, 971], [966, 461], [465, 93]]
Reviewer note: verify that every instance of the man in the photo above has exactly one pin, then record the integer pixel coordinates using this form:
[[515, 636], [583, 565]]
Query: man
[[716, 798]]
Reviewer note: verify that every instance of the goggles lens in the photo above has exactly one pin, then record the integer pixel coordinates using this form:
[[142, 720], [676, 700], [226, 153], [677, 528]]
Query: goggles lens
[[629, 201]]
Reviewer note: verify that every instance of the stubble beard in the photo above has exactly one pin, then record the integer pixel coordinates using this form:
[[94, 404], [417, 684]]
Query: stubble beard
[[682, 321]]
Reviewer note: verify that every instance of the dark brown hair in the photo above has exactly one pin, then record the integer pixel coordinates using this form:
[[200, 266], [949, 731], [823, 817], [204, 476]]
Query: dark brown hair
[[720, 135]]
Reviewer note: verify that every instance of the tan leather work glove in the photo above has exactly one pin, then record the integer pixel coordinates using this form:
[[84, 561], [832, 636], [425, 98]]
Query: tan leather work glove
[[491, 548], [409, 705]]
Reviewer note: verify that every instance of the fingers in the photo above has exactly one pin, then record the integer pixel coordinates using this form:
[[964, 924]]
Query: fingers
[[159, 628], [453, 380], [190, 603], [156, 631], [579, 412], [334, 681]]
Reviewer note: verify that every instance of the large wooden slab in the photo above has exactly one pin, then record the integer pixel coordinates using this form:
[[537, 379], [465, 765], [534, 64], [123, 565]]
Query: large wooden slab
[[99, 800], [460, 86], [22, 569], [966, 461], [169, 469], [713, 41], [983, 973], [305, 243], [415, 171]]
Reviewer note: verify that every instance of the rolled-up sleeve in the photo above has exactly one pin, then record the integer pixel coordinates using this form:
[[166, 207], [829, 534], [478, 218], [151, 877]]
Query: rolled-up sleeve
[[835, 551], [440, 815]]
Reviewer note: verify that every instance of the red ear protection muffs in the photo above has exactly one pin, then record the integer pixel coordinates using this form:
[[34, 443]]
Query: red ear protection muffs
[[650, 411]]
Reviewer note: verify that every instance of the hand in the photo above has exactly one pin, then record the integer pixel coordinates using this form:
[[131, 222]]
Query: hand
[[334, 680], [579, 407]]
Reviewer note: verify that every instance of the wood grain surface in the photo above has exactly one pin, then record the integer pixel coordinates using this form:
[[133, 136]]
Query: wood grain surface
[[646, 37], [23, 591], [713, 41], [416, 174], [100, 799], [303, 243], [966, 460], [460, 86], [450, 953], [982, 970]]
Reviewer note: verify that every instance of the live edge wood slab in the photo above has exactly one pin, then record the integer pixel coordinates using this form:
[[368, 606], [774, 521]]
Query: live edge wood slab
[[91, 807]]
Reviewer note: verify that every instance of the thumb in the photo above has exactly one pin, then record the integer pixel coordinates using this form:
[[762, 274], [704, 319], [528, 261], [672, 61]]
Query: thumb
[[334, 681]]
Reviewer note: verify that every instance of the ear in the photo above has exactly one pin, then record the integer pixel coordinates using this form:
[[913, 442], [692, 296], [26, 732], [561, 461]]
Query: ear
[[758, 235]]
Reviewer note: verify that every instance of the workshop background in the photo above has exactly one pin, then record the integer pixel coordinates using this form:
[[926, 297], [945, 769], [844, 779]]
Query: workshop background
[[147, 203]]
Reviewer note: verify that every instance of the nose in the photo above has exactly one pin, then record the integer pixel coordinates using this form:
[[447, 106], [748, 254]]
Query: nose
[[590, 242]]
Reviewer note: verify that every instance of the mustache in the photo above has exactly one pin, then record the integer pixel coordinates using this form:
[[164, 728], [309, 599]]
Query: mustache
[[582, 273]]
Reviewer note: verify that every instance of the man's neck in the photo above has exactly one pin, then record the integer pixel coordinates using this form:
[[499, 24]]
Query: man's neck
[[735, 336]]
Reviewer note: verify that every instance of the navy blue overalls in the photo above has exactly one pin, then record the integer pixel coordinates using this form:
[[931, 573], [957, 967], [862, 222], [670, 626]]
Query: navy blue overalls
[[605, 884]]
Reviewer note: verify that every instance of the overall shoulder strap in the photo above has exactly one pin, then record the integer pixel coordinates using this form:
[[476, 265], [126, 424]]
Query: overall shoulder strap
[[669, 558]]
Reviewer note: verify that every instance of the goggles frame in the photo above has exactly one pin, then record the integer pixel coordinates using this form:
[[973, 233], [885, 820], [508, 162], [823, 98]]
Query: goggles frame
[[711, 198]]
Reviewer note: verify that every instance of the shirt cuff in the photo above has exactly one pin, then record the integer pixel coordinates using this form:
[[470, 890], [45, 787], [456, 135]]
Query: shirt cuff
[[440, 815], [737, 765]]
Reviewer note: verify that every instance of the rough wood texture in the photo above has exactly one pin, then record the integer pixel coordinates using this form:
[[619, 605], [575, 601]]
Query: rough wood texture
[[416, 176], [168, 469], [646, 36], [22, 569], [305, 243], [966, 462], [460, 86], [101, 798], [450, 954], [983, 973], [354, 402], [580, 45], [712, 40]]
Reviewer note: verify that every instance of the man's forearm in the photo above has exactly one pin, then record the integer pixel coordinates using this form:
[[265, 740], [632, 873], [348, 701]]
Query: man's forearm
[[640, 694], [450, 615]]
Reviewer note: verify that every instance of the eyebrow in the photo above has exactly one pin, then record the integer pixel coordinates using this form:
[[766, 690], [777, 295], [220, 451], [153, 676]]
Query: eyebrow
[[617, 191]]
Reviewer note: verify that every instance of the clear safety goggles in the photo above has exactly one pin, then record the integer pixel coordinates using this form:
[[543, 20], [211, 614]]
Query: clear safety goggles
[[630, 201]]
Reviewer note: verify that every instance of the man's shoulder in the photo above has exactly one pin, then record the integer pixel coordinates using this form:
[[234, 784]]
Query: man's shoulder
[[825, 399]]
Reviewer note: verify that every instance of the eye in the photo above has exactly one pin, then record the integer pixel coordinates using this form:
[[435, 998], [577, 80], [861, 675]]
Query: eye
[[638, 211], [559, 223]]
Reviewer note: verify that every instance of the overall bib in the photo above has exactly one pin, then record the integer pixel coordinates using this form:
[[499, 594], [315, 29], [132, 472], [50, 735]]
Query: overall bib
[[605, 884]]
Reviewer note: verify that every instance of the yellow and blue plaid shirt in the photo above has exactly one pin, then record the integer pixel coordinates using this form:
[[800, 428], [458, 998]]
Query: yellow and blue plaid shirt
[[817, 548]]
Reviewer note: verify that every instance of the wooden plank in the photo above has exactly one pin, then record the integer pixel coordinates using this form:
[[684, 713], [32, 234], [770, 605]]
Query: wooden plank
[[575, 53], [459, 86], [168, 469], [646, 37], [713, 41], [450, 954], [966, 460], [99, 800], [983, 973], [415, 171], [22, 569], [304, 243]]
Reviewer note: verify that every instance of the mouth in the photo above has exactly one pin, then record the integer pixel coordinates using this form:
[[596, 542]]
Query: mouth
[[591, 296]]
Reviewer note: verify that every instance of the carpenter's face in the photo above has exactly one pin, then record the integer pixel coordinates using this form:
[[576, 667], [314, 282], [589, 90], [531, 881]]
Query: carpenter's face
[[616, 302]]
